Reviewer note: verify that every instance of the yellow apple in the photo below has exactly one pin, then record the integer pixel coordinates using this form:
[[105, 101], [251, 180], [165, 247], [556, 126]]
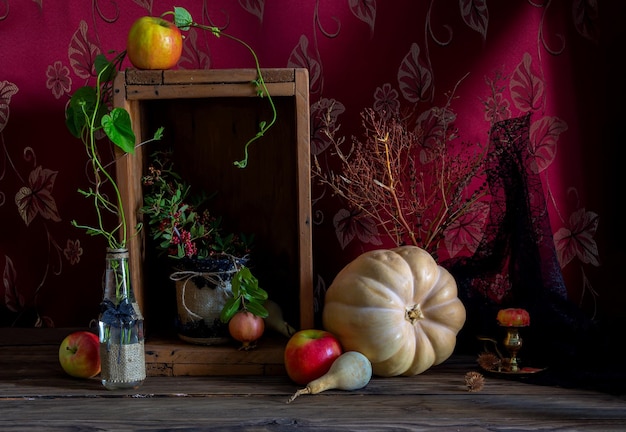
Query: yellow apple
[[154, 43]]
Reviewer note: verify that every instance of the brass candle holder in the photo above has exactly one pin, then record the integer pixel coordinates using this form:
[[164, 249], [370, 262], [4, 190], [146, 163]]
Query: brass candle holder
[[512, 320], [513, 343]]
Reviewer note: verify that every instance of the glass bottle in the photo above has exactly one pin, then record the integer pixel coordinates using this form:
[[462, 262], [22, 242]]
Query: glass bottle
[[120, 325]]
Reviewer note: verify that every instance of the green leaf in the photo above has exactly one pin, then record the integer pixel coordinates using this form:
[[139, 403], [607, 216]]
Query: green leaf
[[235, 286], [256, 292], [74, 120], [118, 128], [230, 309], [182, 18], [80, 110], [85, 96], [257, 309], [93, 232], [104, 67], [158, 134]]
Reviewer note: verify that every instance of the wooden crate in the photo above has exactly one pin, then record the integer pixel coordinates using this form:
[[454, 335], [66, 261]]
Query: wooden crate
[[208, 116]]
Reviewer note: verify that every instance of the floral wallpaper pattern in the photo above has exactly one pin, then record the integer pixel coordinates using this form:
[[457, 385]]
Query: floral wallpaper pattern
[[475, 61]]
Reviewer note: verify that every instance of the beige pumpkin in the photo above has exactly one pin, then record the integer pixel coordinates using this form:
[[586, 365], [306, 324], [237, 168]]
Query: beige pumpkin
[[398, 307]]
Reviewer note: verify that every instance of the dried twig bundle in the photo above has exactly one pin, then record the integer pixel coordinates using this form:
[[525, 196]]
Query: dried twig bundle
[[408, 179]]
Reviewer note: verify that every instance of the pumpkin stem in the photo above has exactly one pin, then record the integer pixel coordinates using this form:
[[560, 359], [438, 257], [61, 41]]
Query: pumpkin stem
[[414, 313]]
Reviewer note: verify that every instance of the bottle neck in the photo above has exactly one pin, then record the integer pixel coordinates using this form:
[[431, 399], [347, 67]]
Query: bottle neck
[[117, 277]]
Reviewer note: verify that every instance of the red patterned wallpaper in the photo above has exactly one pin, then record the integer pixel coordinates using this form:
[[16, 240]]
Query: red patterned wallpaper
[[555, 61]]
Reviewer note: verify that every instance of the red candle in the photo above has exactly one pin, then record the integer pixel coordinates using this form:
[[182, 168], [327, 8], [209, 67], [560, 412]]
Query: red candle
[[513, 317]]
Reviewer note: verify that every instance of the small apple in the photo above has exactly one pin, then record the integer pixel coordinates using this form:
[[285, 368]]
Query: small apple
[[79, 354], [309, 354], [154, 43]]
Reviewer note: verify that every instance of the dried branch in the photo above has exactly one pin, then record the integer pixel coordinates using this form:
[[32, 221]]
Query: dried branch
[[409, 180]]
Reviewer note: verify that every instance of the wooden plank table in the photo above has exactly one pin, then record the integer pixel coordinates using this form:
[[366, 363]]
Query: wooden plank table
[[36, 395]]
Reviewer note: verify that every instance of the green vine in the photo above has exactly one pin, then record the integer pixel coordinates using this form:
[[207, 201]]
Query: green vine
[[89, 111], [184, 21]]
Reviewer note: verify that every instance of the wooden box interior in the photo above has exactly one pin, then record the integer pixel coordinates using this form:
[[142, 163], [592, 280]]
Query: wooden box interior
[[208, 116]]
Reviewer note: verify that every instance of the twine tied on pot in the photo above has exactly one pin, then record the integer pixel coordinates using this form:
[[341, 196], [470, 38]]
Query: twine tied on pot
[[217, 275]]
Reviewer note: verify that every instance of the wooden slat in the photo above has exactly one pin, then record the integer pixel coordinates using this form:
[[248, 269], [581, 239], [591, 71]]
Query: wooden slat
[[166, 357], [307, 318], [208, 76], [129, 167], [194, 91], [163, 350]]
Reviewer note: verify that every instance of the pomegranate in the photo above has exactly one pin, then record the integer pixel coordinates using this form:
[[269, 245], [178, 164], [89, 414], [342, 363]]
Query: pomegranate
[[246, 328]]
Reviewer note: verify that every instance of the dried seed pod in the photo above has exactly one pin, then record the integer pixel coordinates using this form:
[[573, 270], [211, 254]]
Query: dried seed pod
[[489, 361], [474, 381]]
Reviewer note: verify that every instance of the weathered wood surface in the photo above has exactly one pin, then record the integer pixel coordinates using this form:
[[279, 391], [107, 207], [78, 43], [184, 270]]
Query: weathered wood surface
[[172, 357], [35, 395]]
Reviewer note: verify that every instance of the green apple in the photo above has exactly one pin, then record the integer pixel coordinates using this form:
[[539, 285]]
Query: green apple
[[79, 354], [309, 354], [154, 43]]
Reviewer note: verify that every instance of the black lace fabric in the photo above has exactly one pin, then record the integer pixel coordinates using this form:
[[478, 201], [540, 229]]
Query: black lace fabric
[[518, 248]]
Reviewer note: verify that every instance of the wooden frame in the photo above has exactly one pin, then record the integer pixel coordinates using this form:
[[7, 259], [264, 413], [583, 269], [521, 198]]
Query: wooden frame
[[208, 115]]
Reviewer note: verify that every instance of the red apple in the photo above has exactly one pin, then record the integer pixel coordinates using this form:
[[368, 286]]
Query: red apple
[[309, 354], [79, 354], [154, 43]]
